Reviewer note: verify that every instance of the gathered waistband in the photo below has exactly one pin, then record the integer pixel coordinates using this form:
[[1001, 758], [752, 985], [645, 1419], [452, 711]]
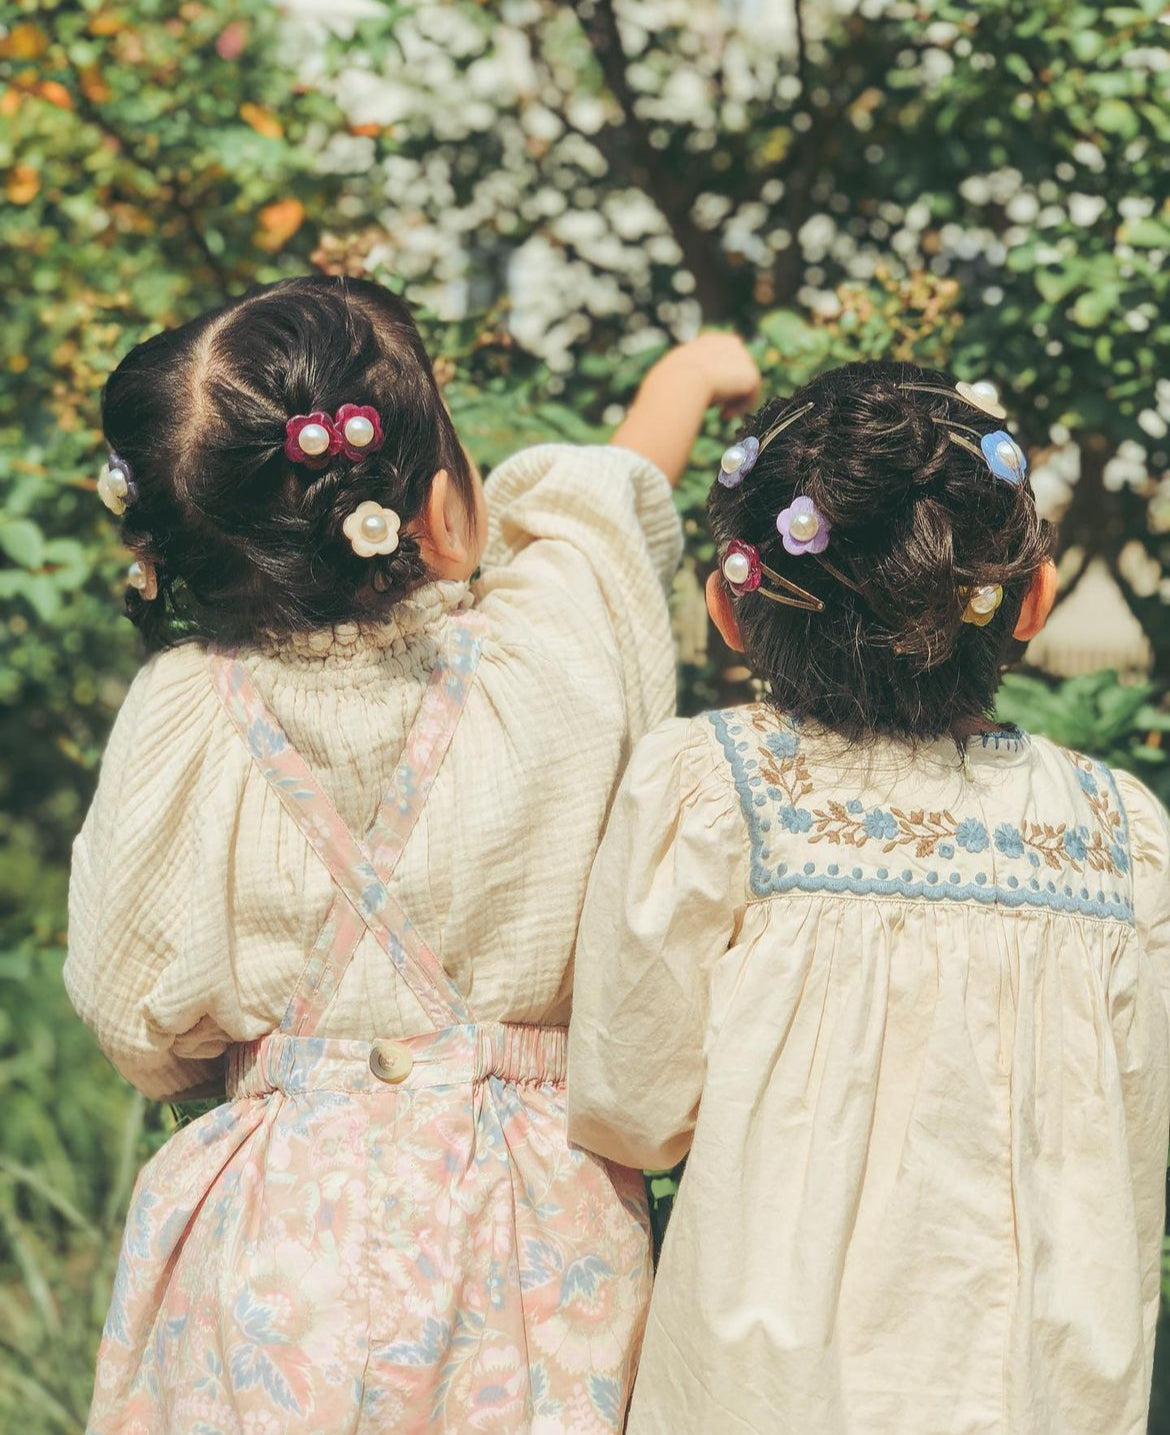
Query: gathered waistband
[[457, 1055]]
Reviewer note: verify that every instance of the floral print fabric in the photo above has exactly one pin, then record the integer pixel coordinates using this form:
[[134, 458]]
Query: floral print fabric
[[331, 1251]]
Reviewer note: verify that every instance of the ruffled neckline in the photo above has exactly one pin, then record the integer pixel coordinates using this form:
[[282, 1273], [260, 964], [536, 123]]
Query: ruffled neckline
[[991, 746], [404, 643]]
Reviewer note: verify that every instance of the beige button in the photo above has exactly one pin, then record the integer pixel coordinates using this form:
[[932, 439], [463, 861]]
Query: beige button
[[391, 1061]]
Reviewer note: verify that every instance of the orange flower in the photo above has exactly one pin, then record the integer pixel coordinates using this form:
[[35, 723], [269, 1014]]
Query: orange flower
[[277, 223], [263, 121], [22, 184], [24, 42], [56, 94], [93, 86]]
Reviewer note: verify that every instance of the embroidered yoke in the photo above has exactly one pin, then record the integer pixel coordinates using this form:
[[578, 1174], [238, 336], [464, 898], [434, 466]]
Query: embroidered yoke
[[376, 1236]]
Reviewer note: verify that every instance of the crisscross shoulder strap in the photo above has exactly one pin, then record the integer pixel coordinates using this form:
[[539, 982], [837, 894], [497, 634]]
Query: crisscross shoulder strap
[[362, 874]]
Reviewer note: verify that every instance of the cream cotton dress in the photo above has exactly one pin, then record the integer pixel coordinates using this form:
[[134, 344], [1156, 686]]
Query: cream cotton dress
[[909, 1022]]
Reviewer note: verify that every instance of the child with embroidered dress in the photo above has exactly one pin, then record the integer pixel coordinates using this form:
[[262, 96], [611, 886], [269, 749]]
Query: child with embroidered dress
[[336, 860], [890, 971]]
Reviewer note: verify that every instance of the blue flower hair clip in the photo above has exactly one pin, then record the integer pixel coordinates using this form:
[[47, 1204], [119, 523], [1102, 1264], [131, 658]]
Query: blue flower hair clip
[[998, 450], [1005, 458]]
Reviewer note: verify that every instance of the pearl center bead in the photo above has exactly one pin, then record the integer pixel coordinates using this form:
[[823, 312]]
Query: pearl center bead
[[116, 480], [737, 568], [359, 431], [733, 458], [804, 527], [313, 439], [986, 390], [985, 600], [375, 529], [1007, 451], [136, 576]]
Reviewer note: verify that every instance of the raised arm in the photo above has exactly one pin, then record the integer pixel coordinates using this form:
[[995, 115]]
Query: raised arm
[[667, 413]]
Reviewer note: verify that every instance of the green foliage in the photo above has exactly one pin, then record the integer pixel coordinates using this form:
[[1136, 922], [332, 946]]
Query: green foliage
[[1120, 723]]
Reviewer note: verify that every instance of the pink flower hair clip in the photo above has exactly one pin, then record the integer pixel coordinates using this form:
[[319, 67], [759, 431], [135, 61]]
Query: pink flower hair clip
[[360, 429], [313, 439], [745, 571]]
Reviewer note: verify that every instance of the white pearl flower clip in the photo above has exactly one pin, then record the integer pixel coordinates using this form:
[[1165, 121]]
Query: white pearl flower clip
[[372, 530], [142, 575], [116, 487]]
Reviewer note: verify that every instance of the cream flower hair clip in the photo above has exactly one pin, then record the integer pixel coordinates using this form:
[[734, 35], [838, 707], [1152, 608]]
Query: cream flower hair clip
[[372, 530], [142, 576], [116, 487]]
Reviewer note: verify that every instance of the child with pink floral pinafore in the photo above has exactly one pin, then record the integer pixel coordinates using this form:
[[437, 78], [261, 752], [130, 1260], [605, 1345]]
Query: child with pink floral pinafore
[[336, 861]]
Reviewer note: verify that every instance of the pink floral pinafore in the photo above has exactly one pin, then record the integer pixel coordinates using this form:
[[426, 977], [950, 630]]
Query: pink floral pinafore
[[388, 1236]]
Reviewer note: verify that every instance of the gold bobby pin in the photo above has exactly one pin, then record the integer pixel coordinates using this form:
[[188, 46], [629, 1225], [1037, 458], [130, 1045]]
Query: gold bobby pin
[[800, 598], [784, 423]]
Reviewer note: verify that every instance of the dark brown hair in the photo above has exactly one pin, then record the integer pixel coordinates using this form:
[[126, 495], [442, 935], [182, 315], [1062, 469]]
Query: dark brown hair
[[246, 542], [916, 518]]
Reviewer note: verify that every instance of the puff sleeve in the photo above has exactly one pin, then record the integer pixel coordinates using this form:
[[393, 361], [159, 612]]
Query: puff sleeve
[[583, 542], [130, 902], [1149, 831], [663, 905]]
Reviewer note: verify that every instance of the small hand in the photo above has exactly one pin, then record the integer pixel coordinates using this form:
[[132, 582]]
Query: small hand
[[728, 370]]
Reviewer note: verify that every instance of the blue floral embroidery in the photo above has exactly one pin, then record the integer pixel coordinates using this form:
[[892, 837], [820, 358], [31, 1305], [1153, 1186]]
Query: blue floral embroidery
[[880, 824], [782, 744], [795, 819], [774, 781]]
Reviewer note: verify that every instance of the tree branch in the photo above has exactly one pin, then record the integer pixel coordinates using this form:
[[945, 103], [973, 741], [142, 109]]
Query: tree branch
[[801, 47], [671, 192]]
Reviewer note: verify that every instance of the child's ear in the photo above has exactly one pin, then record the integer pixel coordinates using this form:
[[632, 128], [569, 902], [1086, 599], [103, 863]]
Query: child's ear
[[1038, 602], [443, 532], [722, 612]]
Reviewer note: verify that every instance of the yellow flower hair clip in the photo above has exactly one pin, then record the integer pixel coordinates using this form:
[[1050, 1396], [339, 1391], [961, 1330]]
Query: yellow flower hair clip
[[982, 604]]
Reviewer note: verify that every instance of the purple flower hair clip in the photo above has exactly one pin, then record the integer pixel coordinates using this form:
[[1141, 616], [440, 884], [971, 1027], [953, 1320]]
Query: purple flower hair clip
[[738, 461], [803, 527]]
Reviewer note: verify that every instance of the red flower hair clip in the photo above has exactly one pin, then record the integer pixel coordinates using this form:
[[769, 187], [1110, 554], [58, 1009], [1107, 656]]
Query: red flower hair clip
[[360, 429], [311, 439]]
